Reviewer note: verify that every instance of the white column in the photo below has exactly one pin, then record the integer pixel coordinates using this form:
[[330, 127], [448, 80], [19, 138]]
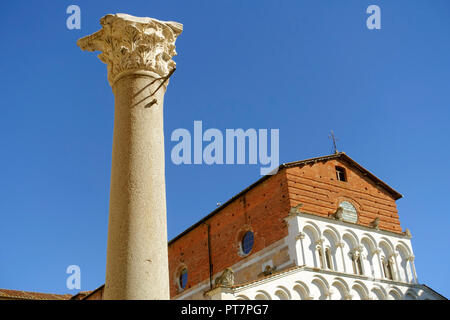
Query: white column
[[413, 267], [138, 53], [294, 233], [301, 256]]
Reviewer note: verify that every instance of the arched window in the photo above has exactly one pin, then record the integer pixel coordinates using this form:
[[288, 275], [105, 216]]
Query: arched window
[[183, 278], [247, 242]]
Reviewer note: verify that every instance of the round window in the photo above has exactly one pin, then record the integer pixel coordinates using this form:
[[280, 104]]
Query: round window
[[183, 278], [247, 242]]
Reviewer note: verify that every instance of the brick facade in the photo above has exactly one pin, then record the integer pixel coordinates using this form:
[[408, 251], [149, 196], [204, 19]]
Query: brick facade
[[260, 209], [263, 207], [317, 188]]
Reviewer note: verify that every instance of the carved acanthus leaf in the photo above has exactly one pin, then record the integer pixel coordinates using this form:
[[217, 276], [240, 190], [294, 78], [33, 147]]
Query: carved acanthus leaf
[[131, 43]]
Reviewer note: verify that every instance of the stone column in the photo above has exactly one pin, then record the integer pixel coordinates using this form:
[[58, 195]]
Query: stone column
[[413, 267], [300, 237], [138, 53]]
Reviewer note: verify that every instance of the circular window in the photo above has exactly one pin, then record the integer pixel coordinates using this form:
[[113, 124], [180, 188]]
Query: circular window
[[247, 242], [183, 278]]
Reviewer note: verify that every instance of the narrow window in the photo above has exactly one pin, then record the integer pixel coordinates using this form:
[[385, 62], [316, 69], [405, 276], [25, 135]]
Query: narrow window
[[355, 271], [247, 242], [391, 270], [387, 268], [319, 251], [183, 278], [328, 258], [359, 265], [340, 174]]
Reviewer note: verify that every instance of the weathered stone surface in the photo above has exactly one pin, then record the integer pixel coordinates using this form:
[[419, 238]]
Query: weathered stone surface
[[138, 53]]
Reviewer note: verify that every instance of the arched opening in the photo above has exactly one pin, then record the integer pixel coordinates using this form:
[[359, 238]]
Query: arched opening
[[405, 273], [358, 292], [394, 295], [261, 295], [339, 291], [369, 259], [331, 255], [310, 246], [319, 290], [377, 294], [301, 291], [281, 295]]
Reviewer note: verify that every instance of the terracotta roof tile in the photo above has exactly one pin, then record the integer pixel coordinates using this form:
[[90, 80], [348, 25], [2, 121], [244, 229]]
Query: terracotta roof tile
[[28, 295]]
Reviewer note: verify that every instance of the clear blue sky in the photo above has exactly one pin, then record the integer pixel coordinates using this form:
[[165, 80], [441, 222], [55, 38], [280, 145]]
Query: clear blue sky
[[303, 67]]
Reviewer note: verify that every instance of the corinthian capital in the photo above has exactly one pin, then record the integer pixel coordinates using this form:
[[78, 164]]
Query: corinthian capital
[[129, 44]]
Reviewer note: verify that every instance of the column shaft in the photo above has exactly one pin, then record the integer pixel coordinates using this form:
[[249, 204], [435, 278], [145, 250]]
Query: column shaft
[[137, 259]]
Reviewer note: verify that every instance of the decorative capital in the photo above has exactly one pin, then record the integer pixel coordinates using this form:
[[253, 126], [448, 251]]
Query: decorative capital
[[411, 258], [354, 255], [340, 244], [300, 236], [320, 241], [393, 256], [129, 44]]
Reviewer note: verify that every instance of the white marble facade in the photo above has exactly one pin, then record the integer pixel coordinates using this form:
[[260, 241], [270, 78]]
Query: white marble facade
[[337, 260]]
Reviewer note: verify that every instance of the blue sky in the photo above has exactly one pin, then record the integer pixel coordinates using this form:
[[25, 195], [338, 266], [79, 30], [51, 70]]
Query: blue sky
[[303, 67]]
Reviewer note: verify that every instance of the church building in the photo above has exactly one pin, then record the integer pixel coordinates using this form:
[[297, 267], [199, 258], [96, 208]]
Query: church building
[[323, 228]]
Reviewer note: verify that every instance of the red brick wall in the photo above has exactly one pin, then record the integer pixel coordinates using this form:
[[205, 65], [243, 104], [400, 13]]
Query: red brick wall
[[317, 188], [260, 209]]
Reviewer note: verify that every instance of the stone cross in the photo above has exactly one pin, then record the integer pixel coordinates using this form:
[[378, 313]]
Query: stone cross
[[138, 53]]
